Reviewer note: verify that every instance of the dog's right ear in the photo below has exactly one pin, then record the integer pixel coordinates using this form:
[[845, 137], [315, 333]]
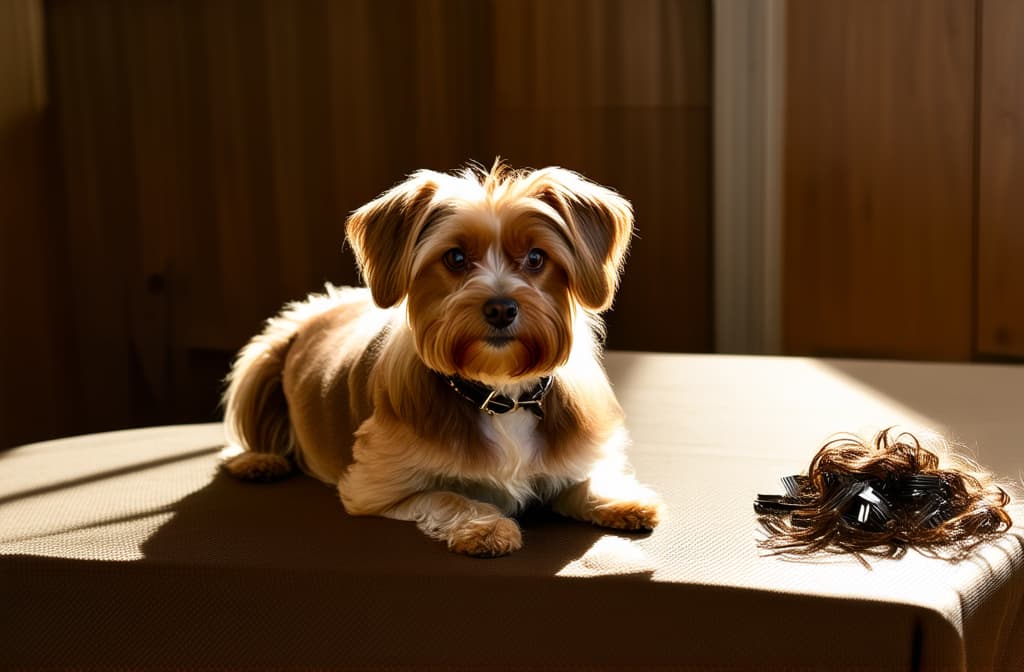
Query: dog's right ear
[[383, 235]]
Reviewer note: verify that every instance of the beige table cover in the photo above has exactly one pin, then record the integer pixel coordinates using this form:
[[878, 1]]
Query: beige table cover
[[129, 550]]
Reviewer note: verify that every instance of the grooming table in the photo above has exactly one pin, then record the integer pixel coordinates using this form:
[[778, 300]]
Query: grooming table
[[129, 549]]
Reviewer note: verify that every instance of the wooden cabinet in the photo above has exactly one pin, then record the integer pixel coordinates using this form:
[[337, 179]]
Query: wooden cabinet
[[1000, 227], [878, 178], [904, 156]]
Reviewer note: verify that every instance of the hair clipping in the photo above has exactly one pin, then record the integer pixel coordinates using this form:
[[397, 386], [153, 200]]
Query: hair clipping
[[792, 484], [881, 497], [868, 508], [869, 503], [928, 498], [924, 485], [773, 503], [782, 503]]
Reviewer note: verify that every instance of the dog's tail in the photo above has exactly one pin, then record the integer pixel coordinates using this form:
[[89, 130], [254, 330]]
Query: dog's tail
[[261, 445]]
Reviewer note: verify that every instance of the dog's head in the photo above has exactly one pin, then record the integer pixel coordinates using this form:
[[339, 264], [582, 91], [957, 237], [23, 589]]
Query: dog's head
[[493, 265]]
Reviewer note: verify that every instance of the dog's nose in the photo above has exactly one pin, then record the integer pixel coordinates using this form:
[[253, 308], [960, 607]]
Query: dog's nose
[[500, 313]]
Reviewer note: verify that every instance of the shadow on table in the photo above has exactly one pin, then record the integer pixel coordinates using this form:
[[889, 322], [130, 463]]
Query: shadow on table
[[279, 576], [299, 524]]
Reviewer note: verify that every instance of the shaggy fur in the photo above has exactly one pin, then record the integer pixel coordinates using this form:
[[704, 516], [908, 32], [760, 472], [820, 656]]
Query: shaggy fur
[[349, 385]]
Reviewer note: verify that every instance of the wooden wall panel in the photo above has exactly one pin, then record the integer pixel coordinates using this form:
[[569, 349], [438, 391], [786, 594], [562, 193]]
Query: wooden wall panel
[[1000, 326], [35, 377], [94, 122], [878, 178], [213, 150], [620, 91]]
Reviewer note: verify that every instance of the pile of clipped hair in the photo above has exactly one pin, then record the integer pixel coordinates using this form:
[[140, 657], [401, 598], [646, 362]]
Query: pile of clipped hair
[[883, 497]]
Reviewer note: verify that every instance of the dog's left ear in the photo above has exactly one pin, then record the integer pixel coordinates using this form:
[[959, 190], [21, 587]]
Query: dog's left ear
[[383, 235], [599, 224]]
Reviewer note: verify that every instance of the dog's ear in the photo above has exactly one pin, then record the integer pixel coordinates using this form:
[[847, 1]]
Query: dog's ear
[[599, 224], [383, 235]]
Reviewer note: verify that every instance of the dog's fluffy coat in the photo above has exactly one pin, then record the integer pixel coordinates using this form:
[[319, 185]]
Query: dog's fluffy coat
[[350, 385]]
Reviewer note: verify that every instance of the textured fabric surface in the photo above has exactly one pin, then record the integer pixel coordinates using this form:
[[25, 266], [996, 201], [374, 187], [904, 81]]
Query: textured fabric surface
[[128, 549]]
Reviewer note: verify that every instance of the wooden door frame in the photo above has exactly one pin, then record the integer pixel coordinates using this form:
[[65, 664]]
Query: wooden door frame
[[747, 112]]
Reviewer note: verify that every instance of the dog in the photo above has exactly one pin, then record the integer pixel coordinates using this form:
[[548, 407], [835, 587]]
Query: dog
[[464, 383]]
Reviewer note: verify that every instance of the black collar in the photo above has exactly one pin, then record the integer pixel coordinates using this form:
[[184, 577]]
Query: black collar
[[489, 401]]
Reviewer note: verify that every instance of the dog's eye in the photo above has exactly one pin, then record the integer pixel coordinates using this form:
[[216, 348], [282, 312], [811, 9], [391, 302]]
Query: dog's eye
[[455, 259], [534, 260]]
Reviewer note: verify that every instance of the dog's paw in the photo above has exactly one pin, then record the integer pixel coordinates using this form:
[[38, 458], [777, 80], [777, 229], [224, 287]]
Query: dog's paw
[[260, 467], [487, 539], [629, 515]]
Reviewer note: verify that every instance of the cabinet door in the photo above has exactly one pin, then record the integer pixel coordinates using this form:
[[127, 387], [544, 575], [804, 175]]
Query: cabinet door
[[879, 149], [1000, 328]]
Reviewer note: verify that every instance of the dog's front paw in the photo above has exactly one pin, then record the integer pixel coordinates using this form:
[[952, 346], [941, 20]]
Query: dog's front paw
[[629, 515], [487, 538]]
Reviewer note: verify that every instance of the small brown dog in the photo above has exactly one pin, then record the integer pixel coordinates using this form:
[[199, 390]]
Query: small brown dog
[[473, 387]]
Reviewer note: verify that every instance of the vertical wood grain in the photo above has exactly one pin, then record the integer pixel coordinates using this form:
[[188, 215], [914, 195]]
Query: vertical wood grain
[[213, 150], [254, 129], [35, 376], [94, 125], [878, 178], [620, 92], [1000, 327]]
